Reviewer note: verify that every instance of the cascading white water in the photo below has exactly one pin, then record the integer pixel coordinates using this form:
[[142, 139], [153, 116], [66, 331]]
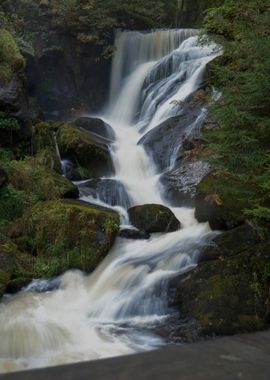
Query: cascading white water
[[111, 311]]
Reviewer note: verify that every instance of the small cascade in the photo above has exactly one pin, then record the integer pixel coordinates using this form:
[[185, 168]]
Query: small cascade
[[114, 310]]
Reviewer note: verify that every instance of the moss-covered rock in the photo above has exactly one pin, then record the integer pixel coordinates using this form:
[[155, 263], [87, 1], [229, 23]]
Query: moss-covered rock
[[11, 205], [230, 243], [221, 201], [153, 218], [90, 154], [229, 295], [16, 268], [97, 126], [38, 182], [66, 235], [11, 59]]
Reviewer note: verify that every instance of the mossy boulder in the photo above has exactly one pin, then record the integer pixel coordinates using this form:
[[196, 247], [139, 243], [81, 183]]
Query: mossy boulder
[[221, 201], [82, 146], [229, 295], [230, 243], [16, 268], [97, 126], [66, 235], [11, 60], [38, 182], [153, 218]]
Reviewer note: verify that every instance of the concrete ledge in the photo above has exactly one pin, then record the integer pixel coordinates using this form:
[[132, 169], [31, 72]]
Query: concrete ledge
[[239, 357]]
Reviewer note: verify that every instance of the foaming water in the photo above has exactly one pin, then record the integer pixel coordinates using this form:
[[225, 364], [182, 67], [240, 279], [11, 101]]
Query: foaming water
[[112, 311]]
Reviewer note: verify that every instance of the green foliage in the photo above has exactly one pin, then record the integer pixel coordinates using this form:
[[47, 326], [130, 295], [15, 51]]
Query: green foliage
[[11, 59], [240, 142], [11, 205]]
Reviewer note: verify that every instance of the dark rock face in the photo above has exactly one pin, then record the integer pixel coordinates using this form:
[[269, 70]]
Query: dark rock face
[[97, 126], [218, 207], [13, 98], [153, 218], [134, 234], [230, 293], [3, 177], [66, 79], [109, 191], [180, 184]]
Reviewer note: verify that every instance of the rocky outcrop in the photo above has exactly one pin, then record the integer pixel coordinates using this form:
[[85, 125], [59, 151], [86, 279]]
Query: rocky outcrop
[[89, 154], [153, 218], [64, 77], [229, 293], [66, 235]]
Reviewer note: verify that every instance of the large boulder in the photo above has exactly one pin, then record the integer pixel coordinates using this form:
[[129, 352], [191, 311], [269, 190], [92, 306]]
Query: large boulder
[[230, 243], [230, 294], [15, 267], [13, 98], [180, 183], [153, 218], [109, 191], [38, 182], [97, 126], [218, 202], [90, 154], [66, 235]]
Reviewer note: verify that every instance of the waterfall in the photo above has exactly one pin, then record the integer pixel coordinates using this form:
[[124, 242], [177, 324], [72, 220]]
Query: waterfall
[[114, 310]]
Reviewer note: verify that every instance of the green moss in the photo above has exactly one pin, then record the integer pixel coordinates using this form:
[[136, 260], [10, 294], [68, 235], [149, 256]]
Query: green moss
[[153, 218], [230, 295], [92, 158], [66, 235], [37, 181], [11, 205], [11, 59]]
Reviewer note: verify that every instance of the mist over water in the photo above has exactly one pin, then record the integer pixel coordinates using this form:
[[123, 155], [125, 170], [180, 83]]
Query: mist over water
[[112, 311]]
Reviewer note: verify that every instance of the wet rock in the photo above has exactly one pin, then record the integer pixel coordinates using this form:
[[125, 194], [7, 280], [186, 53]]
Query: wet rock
[[109, 191], [180, 184], [3, 177], [167, 142], [228, 295], [97, 126], [216, 202], [66, 235], [153, 218], [133, 234], [90, 155]]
